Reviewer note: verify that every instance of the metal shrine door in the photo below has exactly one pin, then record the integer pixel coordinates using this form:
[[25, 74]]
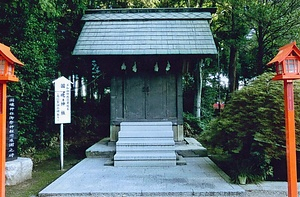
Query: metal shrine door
[[149, 97]]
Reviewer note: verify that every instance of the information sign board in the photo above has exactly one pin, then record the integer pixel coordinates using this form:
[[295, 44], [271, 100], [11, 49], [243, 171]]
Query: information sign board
[[62, 101]]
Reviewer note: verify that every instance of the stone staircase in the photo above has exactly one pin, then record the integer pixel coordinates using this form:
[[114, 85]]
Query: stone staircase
[[145, 144]]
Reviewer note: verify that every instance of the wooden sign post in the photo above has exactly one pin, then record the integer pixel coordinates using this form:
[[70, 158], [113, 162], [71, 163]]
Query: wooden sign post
[[62, 109]]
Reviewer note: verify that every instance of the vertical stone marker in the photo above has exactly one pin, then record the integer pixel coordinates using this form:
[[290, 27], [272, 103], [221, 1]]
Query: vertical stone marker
[[12, 129], [17, 169]]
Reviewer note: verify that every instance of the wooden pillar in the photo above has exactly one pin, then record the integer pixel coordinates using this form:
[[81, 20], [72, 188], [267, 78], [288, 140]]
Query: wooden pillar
[[290, 138], [2, 137]]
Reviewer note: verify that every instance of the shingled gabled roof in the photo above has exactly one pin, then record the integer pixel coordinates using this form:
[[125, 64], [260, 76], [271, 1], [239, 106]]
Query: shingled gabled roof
[[284, 52], [146, 32]]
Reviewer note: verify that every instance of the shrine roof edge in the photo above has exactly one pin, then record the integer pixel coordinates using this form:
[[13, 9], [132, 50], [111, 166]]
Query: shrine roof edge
[[149, 10]]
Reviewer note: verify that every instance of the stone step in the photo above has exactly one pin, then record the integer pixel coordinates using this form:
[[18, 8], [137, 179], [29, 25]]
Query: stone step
[[142, 148], [188, 148], [145, 163], [145, 126], [145, 142], [150, 155], [148, 134]]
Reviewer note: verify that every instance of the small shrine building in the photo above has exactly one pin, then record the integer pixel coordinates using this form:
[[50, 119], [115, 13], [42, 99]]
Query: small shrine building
[[145, 51]]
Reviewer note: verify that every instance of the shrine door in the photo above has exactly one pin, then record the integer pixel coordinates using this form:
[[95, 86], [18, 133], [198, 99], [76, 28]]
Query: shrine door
[[149, 97]]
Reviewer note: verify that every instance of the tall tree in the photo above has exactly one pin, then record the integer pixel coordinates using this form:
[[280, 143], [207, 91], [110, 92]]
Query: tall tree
[[31, 32], [250, 32], [230, 29], [275, 23]]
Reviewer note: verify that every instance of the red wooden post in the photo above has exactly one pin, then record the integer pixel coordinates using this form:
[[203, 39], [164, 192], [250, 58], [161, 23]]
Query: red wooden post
[[290, 138], [2, 137]]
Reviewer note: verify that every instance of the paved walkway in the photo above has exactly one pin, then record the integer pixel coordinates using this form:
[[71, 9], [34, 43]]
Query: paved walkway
[[200, 177], [267, 189]]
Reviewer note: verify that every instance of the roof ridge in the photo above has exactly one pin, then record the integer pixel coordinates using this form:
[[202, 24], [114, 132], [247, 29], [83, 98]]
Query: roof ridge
[[131, 16], [149, 10]]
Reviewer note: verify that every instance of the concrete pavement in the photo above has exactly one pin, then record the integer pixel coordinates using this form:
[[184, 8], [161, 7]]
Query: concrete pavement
[[95, 176], [200, 177]]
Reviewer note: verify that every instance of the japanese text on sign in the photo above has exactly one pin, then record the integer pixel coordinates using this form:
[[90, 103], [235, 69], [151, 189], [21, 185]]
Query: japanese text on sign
[[11, 129], [62, 111]]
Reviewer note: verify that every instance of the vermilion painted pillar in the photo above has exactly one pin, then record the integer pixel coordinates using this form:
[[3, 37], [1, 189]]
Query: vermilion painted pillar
[[290, 138], [2, 137]]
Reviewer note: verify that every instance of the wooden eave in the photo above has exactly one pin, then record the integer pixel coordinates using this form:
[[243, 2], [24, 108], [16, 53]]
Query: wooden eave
[[8, 56], [284, 52]]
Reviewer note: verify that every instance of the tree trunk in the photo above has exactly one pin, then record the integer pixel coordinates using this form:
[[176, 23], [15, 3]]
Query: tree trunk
[[201, 3], [232, 69], [232, 57], [260, 52], [199, 85], [79, 87]]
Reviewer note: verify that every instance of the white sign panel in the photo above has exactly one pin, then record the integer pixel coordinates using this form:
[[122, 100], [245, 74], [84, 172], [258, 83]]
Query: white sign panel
[[62, 105]]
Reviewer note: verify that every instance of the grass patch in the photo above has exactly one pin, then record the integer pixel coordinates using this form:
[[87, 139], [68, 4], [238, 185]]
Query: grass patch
[[43, 174]]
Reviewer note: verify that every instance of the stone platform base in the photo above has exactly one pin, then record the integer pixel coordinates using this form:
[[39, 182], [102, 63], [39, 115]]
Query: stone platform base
[[190, 147], [18, 170]]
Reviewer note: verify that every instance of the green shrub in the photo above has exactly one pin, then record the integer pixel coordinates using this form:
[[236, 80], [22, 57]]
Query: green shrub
[[50, 151], [192, 125], [252, 126]]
